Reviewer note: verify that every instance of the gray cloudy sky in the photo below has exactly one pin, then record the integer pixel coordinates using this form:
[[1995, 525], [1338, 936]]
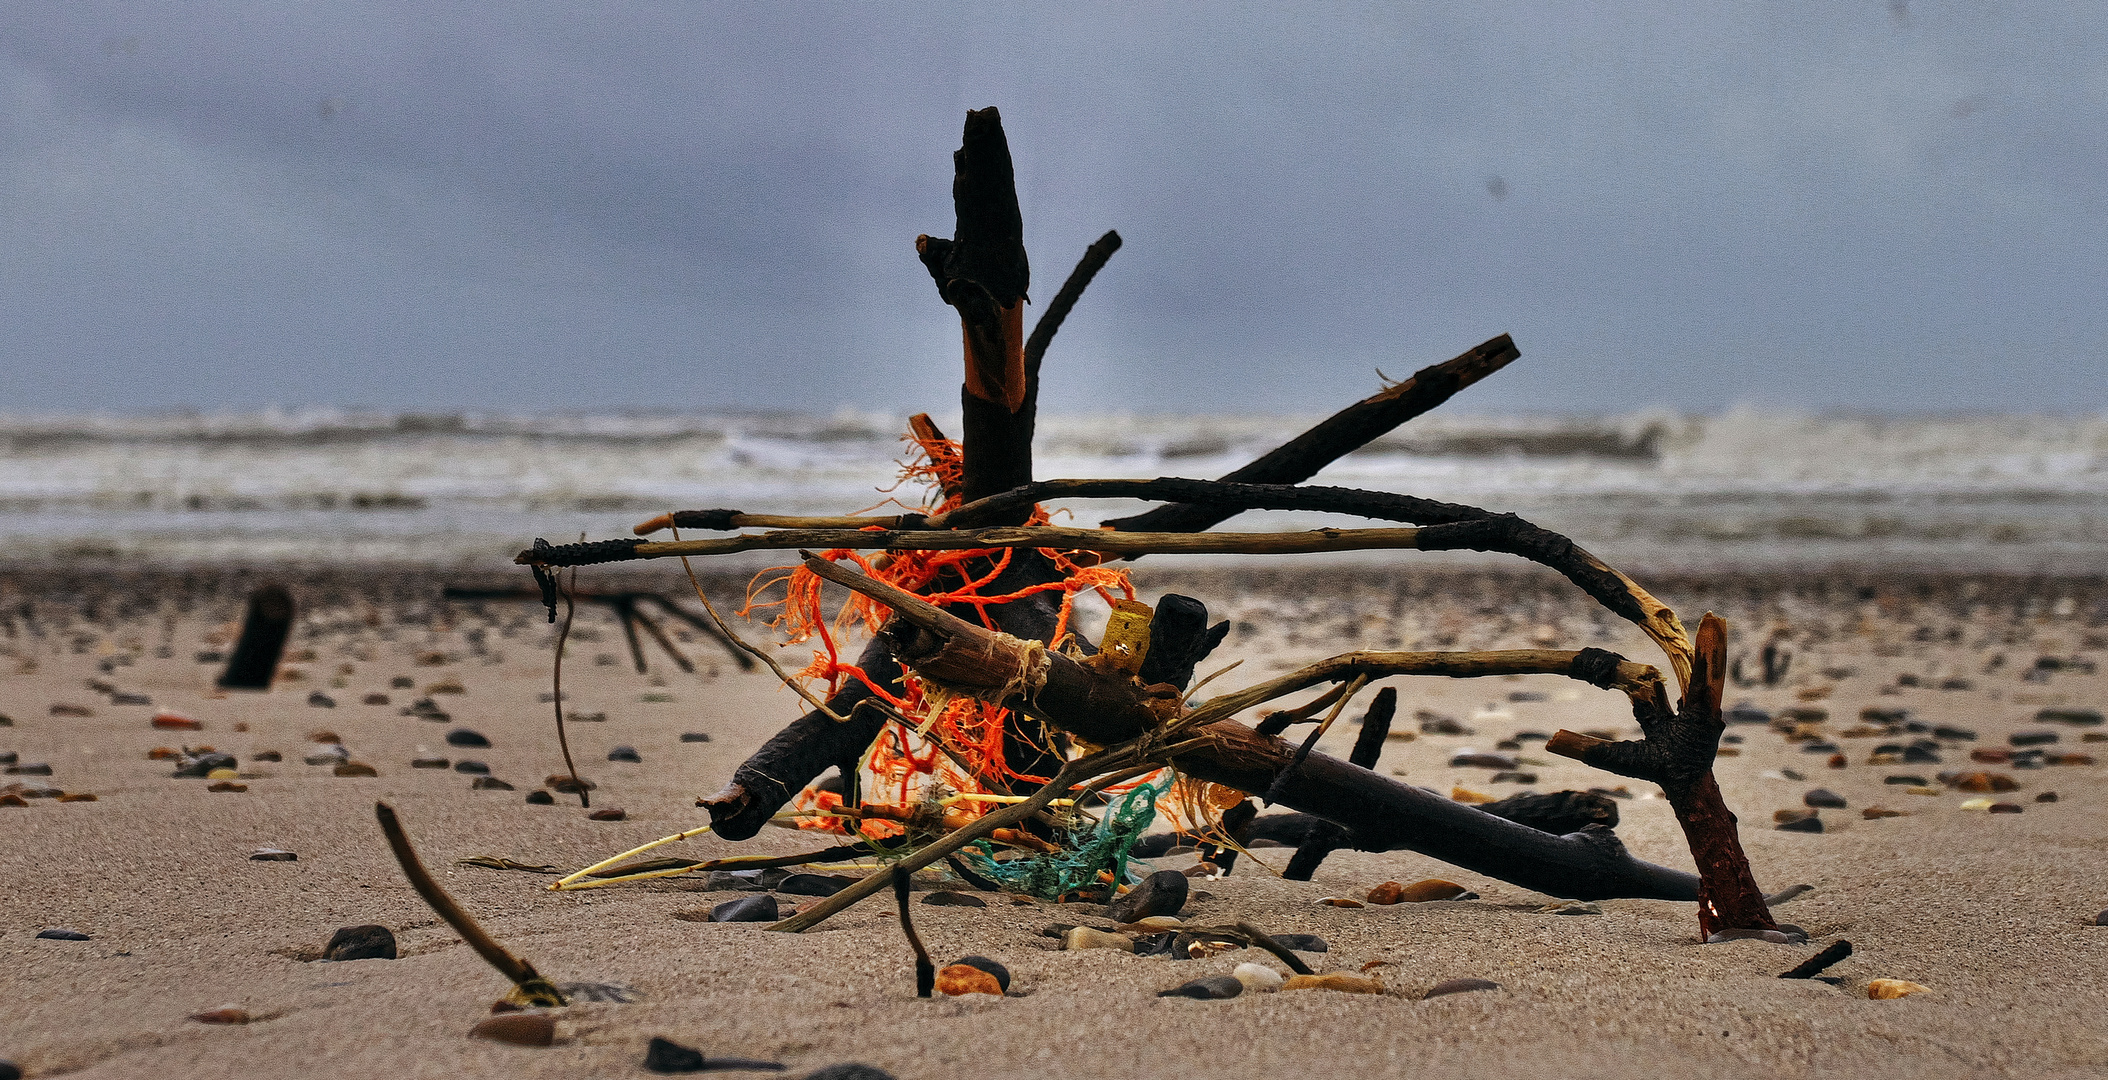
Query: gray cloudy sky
[[1867, 204]]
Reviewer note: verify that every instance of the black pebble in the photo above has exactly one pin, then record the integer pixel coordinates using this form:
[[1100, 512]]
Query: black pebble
[[204, 763], [429, 763], [1301, 942], [462, 736], [849, 1070], [476, 767], [60, 933], [130, 699], [9, 1070], [540, 798], [813, 884], [320, 700], [368, 942], [667, 1056], [39, 768], [489, 783], [267, 755], [2101, 919], [1001, 973], [1918, 755], [402, 682], [624, 753], [1811, 823], [1460, 986], [1212, 988], [695, 736], [1818, 748], [1161, 893], [953, 899], [2032, 738], [1912, 781], [745, 909], [8, 757], [1946, 732], [1825, 798]]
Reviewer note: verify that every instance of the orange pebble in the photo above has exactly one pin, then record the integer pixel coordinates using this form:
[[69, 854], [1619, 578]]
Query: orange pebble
[[966, 979]]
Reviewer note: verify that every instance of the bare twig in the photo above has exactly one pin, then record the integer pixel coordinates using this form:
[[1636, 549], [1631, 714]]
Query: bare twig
[[529, 988], [556, 678]]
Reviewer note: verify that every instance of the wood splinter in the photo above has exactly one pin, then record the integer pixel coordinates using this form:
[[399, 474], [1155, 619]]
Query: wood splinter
[[529, 989]]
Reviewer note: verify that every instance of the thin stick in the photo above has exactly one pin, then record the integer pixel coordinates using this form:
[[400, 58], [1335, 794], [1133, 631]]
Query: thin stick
[[1007, 536], [556, 678], [1094, 260], [1814, 965], [603, 864], [1281, 952], [925, 972], [528, 983], [796, 687], [1303, 752]]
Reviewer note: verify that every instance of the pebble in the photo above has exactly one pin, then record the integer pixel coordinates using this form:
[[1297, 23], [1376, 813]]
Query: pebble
[[953, 899], [1301, 942], [1428, 889], [1386, 894], [374, 699], [564, 785], [1212, 988], [1472, 759], [667, 1056], [1802, 821], [223, 774], [1469, 797], [1161, 893], [1872, 813], [625, 753], [354, 768], [751, 909], [1982, 781], [32, 768], [849, 1070], [1154, 924], [225, 1014], [2075, 717], [528, 1027], [2047, 796], [1911, 781], [9, 1070], [1572, 907], [9, 757], [271, 854], [462, 736], [169, 721], [63, 709], [60, 933], [366, 942], [956, 980], [1083, 937], [695, 736], [1890, 989], [333, 755], [267, 755], [612, 813], [226, 786], [1257, 977], [430, 763], [1344, 983], [491, 783], [402, 682], [198, 766], [475, 767], [2101, 919], [12, 799], [814, 884], [320, 700], [2005, 808], [539, 797], [993, 968], [1824, 798], [1341, 902], [1776, 937], [1460, 986]]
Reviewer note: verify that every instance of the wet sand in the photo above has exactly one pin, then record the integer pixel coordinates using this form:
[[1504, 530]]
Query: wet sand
[[1990, 911]]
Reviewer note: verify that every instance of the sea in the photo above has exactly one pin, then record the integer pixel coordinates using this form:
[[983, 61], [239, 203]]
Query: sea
[[1744, 489]]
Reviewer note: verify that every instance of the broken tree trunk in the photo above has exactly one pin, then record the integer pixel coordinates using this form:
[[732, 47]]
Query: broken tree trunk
[[1676, 751], [1380, 813]]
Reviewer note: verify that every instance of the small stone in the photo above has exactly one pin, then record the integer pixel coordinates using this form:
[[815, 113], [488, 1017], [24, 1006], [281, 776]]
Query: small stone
[[402, 682], [612, 813], [225, 1014], [492, 783], [1776, 937], [1083, 937], [354, 768], [12, 799], [1161, 893], [1386, 894], [1341, 902], [1809, 823], [695, 736], [83, 796], [1872, 813], [366, 942], [1154, 924], [814, 884], [226, 786], [993, 968], [1571, 907], [1910, 781], [539, 797], [956, 980], [320, 700], [60, 933], [1427, 889], [170, 721], [1338, 981], [625, 753], [2047, 796], [667, 1056], [1982, 781], [1301, 942], [267, 755], [8, 1069], [746, 909], [564, 785], [462, 736], [953, 899], [223, 774], [1824, 798], [1212, 988], [1257, 977], [374, 699], [528, 1027], [475, 768], [2031, 738], [2075, 717], [64, 709], [30, 768], [1890, 989], [271, 854], [1471, 759], [430, 763], [2005, 808], [849, 1070], [1470, 797]]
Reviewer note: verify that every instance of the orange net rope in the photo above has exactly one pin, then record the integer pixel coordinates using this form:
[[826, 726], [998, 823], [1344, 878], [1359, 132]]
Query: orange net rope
[[957, 743]]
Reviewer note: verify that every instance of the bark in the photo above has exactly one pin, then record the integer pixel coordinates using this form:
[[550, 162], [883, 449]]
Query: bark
[[254, 662]]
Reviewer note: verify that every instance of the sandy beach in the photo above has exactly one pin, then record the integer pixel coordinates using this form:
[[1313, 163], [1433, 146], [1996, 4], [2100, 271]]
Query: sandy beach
[[1992, 912]]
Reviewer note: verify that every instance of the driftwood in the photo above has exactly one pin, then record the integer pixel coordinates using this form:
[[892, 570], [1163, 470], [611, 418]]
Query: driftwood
[[1379, 812], [254, 662], [625, 607]]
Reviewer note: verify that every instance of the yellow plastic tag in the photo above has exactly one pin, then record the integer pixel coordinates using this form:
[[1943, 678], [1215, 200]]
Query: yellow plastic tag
[[1126, 641]]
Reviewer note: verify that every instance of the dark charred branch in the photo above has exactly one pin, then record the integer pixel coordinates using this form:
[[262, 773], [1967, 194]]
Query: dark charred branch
[[1344, 432], [1379, 813], [1676, 751], [254, 662], [807, 747], [1324, 837], [1043, 331], [624, 605]]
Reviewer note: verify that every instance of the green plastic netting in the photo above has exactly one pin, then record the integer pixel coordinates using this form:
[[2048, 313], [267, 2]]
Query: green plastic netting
[[1088, 852]]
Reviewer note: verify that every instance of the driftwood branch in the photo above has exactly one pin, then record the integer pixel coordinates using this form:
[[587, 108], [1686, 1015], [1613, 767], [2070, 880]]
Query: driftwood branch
[[1676, 752], [529, 987], [1380, 813], [1344, 432]]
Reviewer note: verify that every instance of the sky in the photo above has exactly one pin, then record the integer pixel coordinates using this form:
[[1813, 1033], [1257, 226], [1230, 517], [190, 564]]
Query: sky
[[1856, 205]]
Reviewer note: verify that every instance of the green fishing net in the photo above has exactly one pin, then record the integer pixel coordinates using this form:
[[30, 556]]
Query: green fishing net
[[1086, 852]]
